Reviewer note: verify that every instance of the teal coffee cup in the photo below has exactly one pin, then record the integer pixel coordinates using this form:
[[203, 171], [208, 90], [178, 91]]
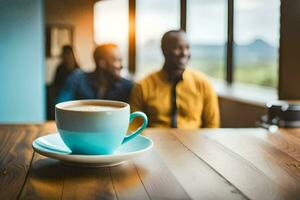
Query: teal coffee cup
[[95, 126]]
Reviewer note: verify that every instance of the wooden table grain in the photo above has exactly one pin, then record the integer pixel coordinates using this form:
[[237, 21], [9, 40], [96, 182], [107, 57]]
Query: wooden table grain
[[184, 164]]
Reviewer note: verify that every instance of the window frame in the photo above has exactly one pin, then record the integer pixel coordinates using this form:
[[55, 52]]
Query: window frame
[[229, 63]]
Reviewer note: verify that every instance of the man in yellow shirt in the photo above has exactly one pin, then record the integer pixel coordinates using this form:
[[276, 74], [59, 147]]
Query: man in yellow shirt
[[176, 96]]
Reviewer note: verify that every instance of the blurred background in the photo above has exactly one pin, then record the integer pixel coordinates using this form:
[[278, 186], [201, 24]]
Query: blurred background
[[249, 48]]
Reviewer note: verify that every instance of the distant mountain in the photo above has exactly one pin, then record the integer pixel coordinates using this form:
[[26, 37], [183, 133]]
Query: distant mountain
[[259, 44], [256, 50]]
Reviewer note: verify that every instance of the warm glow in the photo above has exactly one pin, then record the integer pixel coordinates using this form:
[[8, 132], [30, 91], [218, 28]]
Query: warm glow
[[111, 22], [111, 25]]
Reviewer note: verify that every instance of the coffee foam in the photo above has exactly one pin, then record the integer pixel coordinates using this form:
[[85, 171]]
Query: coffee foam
[[90, 108]]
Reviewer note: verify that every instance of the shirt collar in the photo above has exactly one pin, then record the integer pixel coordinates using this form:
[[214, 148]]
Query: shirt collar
[[164, 76]]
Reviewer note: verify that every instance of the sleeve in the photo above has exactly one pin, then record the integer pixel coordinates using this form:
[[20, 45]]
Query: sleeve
[[136, 104], [67, 93], [211, 114], [136, 98]]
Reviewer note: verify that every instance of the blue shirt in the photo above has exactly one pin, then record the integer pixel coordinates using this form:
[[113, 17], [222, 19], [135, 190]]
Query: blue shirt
[[81, 85]]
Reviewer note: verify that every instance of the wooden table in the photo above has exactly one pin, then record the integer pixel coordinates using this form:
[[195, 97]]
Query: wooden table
[[184, 164]]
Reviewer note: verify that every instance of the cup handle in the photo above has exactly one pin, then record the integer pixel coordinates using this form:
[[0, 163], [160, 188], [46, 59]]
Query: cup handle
[[140, 129]]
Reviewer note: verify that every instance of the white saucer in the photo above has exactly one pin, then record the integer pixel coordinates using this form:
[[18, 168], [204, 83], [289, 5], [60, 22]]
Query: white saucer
[[47, 145]]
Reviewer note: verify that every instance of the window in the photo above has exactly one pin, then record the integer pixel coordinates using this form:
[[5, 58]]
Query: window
[[153, 19], [206, 29], [256, 36], [111, 25], [255, 26]]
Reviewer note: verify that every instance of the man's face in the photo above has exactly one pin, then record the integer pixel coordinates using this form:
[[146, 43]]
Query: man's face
[[113, 62], [177, 51]]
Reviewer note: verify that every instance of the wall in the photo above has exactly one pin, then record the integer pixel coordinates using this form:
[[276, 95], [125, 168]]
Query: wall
[[21, 61], [238, 114], [78, 13], [289, 60]]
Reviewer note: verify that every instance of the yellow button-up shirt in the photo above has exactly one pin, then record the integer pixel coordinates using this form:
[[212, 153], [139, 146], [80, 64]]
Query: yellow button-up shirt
[[196, 100]]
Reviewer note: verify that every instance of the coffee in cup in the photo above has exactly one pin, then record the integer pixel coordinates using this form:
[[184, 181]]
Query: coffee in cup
[[95, 126]]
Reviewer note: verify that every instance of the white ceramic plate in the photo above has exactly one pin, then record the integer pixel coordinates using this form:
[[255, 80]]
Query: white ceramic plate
[[52, 146]]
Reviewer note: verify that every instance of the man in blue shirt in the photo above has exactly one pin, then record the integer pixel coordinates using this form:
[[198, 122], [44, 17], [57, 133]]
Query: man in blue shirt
[[104, 83]]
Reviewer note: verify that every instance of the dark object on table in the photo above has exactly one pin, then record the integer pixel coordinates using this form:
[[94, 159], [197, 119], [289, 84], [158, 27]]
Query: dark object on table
[[282, 113]]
